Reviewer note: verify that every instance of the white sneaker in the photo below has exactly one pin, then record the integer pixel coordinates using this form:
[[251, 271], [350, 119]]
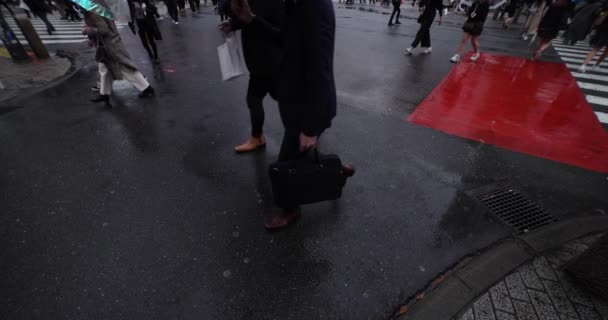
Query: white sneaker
[[596, 67], [455, 58], [428, 50], [475, 56], [582, 69], [175, 22], [408, 51]]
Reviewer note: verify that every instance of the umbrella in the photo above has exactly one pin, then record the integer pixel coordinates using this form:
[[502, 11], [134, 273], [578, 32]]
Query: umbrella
[[99, 7]]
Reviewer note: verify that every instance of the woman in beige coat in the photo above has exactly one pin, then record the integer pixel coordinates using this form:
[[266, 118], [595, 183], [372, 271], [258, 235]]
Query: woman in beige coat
[[113, 60]]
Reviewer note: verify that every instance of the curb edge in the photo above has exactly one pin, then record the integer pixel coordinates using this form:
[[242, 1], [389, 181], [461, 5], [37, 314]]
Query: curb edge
[[495, 262]]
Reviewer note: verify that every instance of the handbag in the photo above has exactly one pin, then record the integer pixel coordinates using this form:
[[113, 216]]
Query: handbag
[[313, 178], [469, 25], [232, 61]]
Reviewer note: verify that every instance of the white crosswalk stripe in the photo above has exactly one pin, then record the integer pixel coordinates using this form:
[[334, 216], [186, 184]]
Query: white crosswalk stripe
[[66, 31], [594, 83]]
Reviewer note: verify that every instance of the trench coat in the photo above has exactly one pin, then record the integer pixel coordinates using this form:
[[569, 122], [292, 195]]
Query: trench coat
[[110, 49]]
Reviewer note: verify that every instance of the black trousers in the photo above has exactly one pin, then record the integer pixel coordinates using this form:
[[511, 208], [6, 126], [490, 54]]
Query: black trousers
[[147, 39], [290, 150], [424, 33], [172, 8], [396, 11], [259, 87], [194, 4], [181, 4], [46, 21]]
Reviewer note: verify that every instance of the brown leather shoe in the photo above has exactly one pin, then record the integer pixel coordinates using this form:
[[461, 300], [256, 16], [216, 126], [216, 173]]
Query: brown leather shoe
[[251, 144], [283, 219], [348, 170]]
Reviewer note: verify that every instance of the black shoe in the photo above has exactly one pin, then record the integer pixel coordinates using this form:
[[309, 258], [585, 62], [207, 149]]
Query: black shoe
[[390, 24], [397, 22], [156, 61], [147, 92], [101, 98]]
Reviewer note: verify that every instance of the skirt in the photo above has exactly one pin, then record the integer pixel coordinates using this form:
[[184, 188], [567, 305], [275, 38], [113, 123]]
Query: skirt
[[599, 39], [547, 33], [473, 28]]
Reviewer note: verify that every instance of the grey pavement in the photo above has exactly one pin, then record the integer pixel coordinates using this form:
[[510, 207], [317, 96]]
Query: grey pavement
[[21, 77], [144, 211], [540, 290]]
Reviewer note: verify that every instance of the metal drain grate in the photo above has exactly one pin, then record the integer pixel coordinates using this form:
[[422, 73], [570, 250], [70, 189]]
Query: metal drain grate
[[516, 209]]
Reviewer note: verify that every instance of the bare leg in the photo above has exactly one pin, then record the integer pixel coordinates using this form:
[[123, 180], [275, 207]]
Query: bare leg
[[590, 56], [544, 44], [602, 57], [463, 43], [475, 43]]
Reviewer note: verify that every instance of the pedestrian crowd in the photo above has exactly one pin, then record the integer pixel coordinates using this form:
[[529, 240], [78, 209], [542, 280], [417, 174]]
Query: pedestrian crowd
[[288, 48], [545, 20]]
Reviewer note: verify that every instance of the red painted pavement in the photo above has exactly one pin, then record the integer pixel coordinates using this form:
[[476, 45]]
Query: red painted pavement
[[522, 105]]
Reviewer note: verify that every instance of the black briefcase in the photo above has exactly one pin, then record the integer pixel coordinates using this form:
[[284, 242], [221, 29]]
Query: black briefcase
[[311, 179]]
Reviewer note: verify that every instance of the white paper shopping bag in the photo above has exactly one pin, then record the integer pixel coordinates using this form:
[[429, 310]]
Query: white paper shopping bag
[[232, 62]]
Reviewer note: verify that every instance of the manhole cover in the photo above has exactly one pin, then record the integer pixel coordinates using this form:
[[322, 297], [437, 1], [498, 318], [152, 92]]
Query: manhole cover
[[513, 207]]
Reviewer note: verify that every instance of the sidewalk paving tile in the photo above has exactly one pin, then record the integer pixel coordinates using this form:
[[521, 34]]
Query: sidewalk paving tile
[[525, 310], [560, 298], [602, 308], [501, 315], [516, 287], [483, 308], [574, 294], [543, 269], [531, 280], [542, 305], [587, 312], [468, 315], [500, 297], [539, 290]]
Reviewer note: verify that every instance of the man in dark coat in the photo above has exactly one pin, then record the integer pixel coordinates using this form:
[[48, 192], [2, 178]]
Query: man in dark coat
[[307, 93], [262, 50]]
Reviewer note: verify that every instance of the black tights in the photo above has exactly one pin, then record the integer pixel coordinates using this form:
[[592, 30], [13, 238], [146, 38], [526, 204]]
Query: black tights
[[396, 12], [259, 87], [194, 5], [147, 39], [46, 21], [172, 9]]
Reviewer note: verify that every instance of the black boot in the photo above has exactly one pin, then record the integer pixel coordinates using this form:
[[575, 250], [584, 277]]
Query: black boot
[[102, 98], [147, 92]]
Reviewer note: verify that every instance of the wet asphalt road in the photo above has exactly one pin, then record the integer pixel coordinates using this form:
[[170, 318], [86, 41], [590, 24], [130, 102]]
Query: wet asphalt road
[[144, 211]]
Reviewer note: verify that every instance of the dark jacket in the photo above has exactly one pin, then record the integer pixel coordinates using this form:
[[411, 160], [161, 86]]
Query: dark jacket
[[431, 7], [262, 38], [145, 19], [307, 93], [552, 19], [38, 7], [481, 10]]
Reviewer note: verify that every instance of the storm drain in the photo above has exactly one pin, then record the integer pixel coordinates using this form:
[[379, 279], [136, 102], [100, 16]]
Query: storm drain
[[515, 209]]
